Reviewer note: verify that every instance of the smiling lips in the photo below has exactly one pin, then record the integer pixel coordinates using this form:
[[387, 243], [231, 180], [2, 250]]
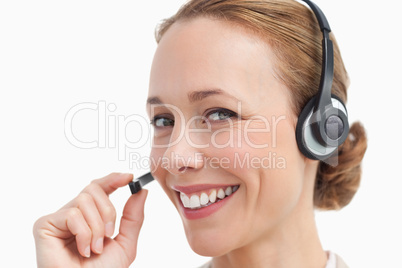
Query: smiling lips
[[204, 197]]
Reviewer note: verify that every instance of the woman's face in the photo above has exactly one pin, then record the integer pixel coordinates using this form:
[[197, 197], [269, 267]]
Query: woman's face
[[223, 121]]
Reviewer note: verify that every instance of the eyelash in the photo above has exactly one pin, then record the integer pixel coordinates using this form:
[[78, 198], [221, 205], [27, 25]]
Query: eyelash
[[222, 110], [218, 110]]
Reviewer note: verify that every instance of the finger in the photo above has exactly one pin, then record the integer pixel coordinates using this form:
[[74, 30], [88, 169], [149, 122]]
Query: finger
[[73, 221], [131, 222], [104, 205], [113, 181], [88, 208]]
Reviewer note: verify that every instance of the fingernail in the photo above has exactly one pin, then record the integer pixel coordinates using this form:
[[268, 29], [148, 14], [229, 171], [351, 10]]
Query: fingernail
[[87, 252], [109, 229], [99, 245]]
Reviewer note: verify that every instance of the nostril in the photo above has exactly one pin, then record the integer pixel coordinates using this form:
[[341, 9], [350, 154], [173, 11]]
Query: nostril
[[182, 169]]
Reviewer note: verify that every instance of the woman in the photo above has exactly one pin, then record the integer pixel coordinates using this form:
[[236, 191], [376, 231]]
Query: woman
[[228, 82]]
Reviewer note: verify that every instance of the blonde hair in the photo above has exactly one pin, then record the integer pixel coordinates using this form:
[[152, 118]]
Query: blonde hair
[[293, 33]]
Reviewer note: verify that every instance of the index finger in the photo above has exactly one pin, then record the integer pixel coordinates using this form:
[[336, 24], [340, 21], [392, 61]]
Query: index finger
[[113, 181]]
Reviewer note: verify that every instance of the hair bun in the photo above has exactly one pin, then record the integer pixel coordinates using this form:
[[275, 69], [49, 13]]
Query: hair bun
[[336, 185]]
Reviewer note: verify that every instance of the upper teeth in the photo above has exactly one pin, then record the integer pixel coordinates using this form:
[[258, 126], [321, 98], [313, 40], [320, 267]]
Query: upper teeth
[[197, 201]]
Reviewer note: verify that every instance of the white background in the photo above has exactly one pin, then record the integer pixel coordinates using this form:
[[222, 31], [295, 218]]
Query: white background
[[57, 54]]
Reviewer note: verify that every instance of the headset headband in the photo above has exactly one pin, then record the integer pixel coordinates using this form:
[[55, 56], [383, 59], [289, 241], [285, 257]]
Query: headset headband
[[327, 72]]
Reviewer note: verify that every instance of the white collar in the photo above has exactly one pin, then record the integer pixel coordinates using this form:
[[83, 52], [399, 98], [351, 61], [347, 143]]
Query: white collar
[[331, 262]]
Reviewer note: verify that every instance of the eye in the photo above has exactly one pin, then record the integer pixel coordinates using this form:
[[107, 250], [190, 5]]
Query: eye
[[220, 114], [160, 121]]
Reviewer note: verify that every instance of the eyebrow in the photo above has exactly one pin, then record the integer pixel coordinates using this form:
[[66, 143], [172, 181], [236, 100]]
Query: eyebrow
[[195, 96]]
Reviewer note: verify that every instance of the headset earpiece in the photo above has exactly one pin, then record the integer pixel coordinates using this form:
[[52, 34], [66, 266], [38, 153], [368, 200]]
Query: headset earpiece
[[318, 135]]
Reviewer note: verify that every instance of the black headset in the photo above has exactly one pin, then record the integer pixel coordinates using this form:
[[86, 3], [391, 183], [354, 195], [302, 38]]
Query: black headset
[[323, 124]]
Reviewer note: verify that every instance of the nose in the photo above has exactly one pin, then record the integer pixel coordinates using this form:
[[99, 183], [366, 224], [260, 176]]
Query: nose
[[183, 154]]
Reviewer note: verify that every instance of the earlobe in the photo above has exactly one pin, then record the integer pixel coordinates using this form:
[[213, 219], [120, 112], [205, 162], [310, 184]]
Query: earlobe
[[309, 161]]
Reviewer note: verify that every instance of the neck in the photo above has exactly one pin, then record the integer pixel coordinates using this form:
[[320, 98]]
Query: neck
[[293, 245]]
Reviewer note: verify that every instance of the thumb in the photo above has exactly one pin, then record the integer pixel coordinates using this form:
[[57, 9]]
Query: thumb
[[131, 222]]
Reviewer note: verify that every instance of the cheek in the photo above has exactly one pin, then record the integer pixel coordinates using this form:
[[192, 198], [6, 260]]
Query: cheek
[[272, 176], [282, 184], [155, 161], [256, 148]]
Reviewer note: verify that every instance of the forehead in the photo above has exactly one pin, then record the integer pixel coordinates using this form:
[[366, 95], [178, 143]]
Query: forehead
[[208, 53]]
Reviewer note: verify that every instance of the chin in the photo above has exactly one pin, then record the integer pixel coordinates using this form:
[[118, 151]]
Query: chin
[[208, 248], [210, 242]]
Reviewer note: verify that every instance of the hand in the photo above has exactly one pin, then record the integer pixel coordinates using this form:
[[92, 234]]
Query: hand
[[79, 234]]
